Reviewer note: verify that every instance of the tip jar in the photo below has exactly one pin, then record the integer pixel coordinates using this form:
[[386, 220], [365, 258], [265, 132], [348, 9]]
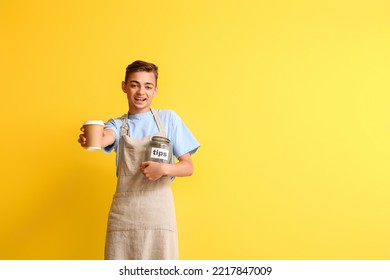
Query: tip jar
[[159, 150]]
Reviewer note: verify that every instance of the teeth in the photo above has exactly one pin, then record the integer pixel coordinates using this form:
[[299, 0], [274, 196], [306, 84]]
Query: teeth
[[140, 99]]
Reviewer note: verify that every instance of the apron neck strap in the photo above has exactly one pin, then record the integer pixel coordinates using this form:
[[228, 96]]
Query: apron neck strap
[[158, 121], [124, 126]]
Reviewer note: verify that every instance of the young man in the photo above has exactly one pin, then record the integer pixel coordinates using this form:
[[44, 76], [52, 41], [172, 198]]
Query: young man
[[142, 222]]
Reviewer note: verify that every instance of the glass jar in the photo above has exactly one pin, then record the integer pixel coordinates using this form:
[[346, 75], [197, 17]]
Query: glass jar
[[159, 150]]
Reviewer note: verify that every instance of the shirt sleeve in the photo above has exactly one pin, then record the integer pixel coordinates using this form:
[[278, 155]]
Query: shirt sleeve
[[183, 141]]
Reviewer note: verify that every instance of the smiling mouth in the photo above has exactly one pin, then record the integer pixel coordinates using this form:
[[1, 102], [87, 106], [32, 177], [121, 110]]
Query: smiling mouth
[[140, 99]]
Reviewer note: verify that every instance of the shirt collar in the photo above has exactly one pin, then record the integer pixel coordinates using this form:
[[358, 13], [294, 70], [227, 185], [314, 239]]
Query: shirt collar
[[140, 116]]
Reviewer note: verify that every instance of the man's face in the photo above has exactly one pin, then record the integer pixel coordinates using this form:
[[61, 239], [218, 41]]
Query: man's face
[[140, 88]]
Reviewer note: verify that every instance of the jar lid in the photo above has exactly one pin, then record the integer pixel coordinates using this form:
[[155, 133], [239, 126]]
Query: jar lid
[[161, 139]]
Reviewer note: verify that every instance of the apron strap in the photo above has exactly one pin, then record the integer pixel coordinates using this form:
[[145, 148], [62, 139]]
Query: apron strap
[[124, 127], [158, 121]]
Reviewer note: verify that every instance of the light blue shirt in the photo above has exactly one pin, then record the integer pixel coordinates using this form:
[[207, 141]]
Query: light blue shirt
[[143, 124]]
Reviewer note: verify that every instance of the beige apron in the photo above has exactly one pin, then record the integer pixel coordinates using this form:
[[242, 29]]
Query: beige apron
[[142, 222]]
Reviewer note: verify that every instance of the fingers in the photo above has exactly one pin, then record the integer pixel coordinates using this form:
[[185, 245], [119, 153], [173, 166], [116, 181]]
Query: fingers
[[82, 140], [148, 169], [144, 165], [151, 178]]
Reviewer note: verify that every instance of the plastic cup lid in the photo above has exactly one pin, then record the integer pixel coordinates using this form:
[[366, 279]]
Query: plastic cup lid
[[94, 122]]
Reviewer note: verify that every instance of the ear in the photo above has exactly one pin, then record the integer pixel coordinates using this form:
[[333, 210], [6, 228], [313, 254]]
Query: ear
[[124, 87]]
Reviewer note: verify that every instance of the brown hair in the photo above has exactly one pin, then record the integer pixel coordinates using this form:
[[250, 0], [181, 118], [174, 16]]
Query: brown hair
[[139, 65]]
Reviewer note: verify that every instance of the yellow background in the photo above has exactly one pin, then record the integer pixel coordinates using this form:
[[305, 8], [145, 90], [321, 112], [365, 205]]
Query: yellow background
[[289, 99]]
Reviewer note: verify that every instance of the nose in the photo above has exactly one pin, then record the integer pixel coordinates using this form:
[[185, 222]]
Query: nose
[[141, 90]]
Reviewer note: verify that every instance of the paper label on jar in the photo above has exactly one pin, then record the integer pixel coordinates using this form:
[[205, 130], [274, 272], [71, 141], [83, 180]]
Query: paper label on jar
[[159, 153]]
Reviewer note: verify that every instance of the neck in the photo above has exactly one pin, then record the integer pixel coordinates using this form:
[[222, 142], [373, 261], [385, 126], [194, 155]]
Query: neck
[[135, 112]]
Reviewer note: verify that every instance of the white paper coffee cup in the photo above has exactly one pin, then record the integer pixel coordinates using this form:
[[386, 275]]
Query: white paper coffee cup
[[93, 131]]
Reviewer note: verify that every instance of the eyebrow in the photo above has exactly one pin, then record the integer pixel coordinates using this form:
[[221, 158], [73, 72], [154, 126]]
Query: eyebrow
[[134, 81]]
